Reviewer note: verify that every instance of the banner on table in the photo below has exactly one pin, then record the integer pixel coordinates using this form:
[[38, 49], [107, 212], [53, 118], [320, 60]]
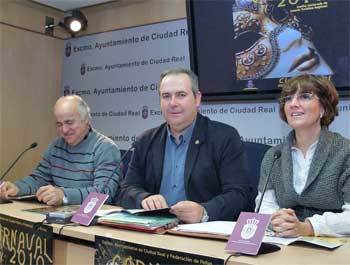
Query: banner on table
[[21, 244], [113, 251]]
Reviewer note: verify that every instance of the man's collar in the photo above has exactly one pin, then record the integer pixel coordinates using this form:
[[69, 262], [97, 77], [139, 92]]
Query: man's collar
[[87, 134], [186, 134]]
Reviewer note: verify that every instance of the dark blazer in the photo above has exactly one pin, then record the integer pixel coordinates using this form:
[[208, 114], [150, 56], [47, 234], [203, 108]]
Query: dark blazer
[[215, 169]]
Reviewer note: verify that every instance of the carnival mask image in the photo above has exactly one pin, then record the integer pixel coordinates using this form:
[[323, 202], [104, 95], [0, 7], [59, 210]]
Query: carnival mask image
[[269, 42]]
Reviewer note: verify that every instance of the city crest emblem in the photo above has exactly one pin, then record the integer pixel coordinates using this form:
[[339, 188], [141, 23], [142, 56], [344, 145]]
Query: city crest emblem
[[249, 229], [91, 205], [82, 69]]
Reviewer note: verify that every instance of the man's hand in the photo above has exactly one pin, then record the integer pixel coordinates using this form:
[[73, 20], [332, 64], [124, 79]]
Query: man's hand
[[154, 202], [286, 224], [188, 211], [8, 189], [50, 195]]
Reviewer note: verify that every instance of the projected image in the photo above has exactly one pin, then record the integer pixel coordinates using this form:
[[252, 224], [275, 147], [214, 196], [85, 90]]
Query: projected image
[[271, 41], [248, 49]]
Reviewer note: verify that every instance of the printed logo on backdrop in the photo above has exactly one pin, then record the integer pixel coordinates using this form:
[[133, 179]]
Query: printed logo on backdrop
[[82, 69], [68, 49], [117, 74], [145, 112], [250, 85], [66, 90]]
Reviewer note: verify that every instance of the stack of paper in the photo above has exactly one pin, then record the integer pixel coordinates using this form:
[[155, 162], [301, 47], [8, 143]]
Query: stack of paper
[[216, 228], [223, 229], [155, 224]]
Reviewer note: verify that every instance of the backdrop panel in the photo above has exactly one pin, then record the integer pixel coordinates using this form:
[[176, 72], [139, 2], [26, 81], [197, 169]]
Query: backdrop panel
[[117, 74]]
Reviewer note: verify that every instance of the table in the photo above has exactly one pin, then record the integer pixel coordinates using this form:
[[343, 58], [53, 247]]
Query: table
[[75, 244]]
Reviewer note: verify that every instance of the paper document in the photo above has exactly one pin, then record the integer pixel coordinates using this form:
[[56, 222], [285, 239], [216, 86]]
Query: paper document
[[103, 212], [319, 241], [216, 228]]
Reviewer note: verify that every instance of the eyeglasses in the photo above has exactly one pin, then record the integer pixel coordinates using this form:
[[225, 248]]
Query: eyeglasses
[[301, 97]]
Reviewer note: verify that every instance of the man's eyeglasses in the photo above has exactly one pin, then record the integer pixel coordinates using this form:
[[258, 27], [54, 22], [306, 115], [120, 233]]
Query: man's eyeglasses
[[301, 97]]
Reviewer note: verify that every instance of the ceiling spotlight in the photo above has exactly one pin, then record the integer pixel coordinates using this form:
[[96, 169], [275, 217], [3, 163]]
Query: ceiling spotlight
[[74, 21], [75, 25]]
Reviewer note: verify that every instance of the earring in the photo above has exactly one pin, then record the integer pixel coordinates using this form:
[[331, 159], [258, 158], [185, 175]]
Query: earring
[[321, 114]]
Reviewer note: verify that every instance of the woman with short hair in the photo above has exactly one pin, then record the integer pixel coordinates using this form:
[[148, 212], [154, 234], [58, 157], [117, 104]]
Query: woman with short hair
[[309, 189]]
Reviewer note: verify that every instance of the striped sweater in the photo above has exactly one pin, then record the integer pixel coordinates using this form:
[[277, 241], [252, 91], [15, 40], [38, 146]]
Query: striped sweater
[[77, 170]]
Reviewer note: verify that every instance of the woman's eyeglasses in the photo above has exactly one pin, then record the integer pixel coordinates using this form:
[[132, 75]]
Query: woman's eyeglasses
[[301, 97]]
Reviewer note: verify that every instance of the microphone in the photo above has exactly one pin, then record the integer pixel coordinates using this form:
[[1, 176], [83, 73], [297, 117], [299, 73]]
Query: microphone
[[276, 156], [32, 146], [119, 166], [265, 247]]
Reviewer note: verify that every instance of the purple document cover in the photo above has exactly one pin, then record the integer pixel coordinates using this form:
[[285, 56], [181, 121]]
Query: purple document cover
[[88, 209], [248, 233]]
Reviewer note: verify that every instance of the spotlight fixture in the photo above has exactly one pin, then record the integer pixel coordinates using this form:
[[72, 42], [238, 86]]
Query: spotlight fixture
[[74, 22]]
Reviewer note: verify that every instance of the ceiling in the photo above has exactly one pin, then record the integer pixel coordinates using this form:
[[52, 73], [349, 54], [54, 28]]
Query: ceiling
[[66, 5]]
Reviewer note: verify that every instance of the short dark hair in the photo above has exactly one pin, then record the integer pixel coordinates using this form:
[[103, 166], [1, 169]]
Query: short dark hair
[[322, 87], [192, 76]]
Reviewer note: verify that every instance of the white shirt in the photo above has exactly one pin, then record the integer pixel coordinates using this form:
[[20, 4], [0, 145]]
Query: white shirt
[[329, 223]]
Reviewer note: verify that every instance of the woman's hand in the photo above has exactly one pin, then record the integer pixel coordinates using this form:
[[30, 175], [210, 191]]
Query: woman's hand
[[285, 223]]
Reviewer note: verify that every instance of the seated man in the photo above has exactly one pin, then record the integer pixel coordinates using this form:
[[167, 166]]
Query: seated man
[[190, 163], [80, 161]]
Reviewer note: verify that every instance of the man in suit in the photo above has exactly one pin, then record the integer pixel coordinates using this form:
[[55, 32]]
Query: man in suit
[[192, 164]]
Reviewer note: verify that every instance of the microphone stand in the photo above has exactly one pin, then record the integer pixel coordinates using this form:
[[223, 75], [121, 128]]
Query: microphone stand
[[266, 248], [33, 145]]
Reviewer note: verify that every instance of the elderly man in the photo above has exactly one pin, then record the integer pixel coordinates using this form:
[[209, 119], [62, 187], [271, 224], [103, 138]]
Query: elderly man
[[192, 164], [79, 161]]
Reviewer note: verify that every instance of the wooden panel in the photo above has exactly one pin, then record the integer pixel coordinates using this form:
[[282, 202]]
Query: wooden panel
[[130, 13], [72, 254], [105, 17], [29, 15], [30, 84]]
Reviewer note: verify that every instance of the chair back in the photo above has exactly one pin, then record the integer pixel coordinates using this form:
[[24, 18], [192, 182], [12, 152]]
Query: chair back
[[255, 153]]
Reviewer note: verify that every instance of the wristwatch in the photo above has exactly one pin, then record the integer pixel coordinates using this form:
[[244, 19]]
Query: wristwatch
[[205, 216]]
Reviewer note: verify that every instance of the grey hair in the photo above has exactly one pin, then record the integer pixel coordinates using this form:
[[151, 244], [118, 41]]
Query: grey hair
[[82, 106], [192, 76]]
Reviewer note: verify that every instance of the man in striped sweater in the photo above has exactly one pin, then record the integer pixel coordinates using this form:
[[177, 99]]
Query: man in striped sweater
[[81, 160]]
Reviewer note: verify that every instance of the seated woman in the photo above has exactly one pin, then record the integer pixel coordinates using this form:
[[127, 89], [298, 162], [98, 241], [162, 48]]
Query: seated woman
[[308, 193]]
